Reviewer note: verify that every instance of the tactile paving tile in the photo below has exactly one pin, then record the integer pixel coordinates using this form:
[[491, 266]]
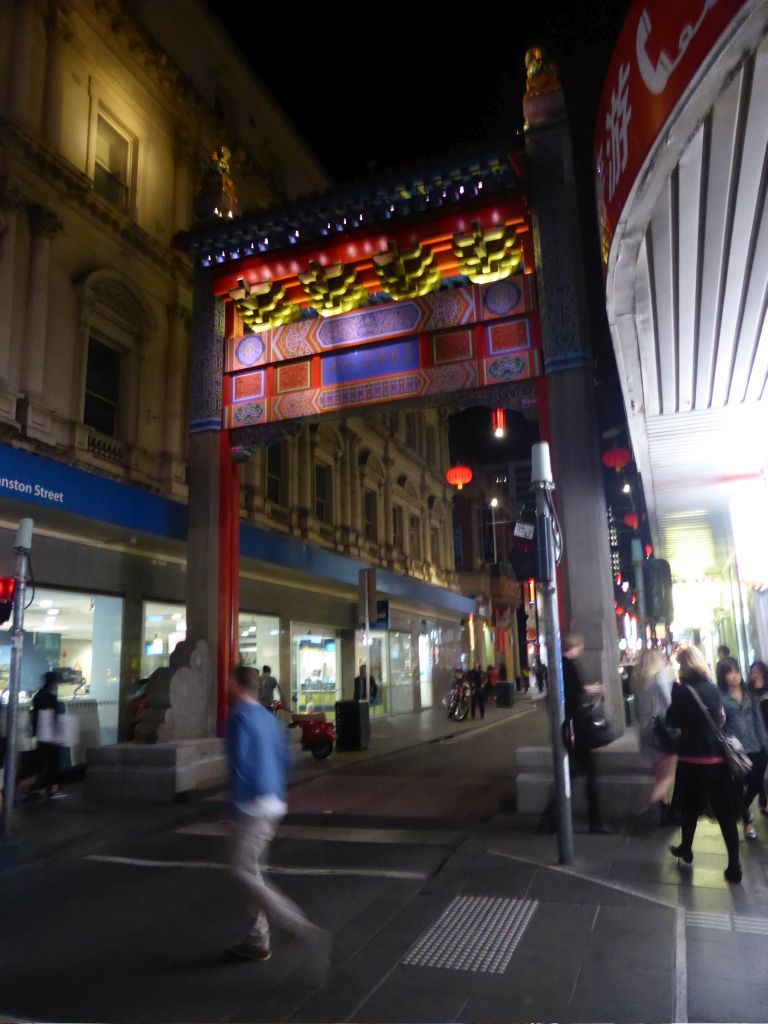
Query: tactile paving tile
[[727, 922], [474, 933]]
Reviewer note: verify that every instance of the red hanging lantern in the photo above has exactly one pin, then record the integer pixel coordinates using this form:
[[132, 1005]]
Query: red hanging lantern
[[498, 422], [457, 476], [616, 458], [619, 610], [648, 550], [630, 519]]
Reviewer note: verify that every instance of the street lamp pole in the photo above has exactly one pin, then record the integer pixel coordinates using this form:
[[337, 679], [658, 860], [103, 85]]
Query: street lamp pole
[[22, 549], [548, 552]]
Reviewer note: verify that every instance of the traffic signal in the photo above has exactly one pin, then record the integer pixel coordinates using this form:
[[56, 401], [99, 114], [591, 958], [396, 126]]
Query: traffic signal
[[7, 584]]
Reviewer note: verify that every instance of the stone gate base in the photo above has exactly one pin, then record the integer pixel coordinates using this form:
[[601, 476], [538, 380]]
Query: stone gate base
[[623, 779], [160, 772]]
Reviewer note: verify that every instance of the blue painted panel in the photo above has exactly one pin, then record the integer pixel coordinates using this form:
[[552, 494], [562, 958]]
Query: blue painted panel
[[369, 323], [370, 362]]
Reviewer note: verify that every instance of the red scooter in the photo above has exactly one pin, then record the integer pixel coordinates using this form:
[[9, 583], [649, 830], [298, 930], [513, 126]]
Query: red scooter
[[317, 735]]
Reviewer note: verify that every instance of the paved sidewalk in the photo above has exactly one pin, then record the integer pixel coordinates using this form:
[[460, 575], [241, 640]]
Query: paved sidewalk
[[503, 933], [80, 824]]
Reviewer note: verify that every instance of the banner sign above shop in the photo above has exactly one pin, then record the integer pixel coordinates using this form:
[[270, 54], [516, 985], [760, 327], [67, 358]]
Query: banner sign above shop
[[660, 49]]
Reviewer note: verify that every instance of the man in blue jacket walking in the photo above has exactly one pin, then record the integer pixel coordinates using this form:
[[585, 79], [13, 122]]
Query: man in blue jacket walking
[[259, 760]]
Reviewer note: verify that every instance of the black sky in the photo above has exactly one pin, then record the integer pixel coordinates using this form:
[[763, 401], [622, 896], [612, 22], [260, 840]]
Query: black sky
[[379, 87]]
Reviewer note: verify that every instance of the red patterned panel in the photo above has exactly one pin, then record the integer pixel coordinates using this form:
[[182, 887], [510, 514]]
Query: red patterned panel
[[294, 377], [510, 336], [451, 347], [248, 385]]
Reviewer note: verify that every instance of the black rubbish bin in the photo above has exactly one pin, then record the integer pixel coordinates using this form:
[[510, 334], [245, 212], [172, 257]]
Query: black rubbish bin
[[353, 725], [505, 695]]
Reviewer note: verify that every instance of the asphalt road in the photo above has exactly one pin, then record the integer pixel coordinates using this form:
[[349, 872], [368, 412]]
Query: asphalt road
[[123, 926]]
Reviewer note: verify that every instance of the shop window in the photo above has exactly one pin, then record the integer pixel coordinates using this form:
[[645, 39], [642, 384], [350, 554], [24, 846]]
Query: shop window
[[400, 672], [434, 544], [430, 448], [79, 636], [102, 388], [323, 493], [370, 515], [165, 626], [398, 536], [414, 537], [373, 651], [275, 474], [112, 163], [259, 642], [315, 664]]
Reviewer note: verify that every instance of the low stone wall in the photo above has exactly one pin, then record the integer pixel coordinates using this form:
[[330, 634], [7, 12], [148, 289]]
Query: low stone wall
[[158, 773], [623, 779]]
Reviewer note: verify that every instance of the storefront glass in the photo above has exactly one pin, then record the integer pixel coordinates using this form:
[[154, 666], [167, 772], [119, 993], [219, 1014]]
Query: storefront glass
[[260, 642], [425, 670], [165, 626], [315, 668], [376, 655], [80, 635], [401, 668]]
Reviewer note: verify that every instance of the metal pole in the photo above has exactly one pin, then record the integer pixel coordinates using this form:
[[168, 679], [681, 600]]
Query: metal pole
[[22, 548], [547, 580], [493, 527]]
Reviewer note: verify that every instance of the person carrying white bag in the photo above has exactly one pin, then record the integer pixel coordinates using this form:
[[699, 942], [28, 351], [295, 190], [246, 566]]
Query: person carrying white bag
[[47, 710]]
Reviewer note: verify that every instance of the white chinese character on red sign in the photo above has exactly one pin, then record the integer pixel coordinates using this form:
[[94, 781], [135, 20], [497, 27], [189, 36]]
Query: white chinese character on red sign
[[616, 126]]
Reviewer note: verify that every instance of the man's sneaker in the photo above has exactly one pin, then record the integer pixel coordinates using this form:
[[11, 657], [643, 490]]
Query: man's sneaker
[[247, 951]]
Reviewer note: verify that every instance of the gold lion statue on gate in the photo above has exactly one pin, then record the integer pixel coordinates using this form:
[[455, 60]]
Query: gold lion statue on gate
[[541, 74]]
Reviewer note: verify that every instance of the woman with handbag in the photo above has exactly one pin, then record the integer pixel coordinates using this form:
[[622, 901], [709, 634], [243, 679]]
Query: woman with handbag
[[744, 720], [758, 684], [703, 783], [652, 687]]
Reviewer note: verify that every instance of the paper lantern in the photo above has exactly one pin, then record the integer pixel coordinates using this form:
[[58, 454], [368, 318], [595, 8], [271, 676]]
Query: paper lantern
[[616, 458], [630, 519], [648, 550], [457, 476]]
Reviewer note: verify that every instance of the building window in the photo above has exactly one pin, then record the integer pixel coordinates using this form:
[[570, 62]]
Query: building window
[[323, 493], [414, 537], [411, 432], [370, 516], [397, 527], [430, 448], [102, 388], [110, 172], [275, 474], [434, 544]]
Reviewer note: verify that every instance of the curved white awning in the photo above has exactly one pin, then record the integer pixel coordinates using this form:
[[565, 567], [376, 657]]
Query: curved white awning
[[687, 300]]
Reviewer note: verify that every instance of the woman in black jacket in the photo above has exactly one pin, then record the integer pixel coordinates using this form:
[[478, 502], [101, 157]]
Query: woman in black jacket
[[744, 720], [703, 784], [758, 685]]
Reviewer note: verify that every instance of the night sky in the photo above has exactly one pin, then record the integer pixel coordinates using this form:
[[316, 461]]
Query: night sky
[[375, 88]]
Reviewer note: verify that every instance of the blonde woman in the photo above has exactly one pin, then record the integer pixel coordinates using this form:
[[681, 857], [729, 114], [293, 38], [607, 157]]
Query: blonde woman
[[703, 784], [652, 686]]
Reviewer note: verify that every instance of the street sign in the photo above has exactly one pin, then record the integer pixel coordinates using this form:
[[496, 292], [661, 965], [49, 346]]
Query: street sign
[[524, 530]]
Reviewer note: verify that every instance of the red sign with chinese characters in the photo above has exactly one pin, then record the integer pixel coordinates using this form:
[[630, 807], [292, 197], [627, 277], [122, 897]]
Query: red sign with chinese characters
[[659, 50]]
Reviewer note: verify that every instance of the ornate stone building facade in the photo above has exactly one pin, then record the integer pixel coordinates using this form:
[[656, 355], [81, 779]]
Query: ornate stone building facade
[[109, 113]]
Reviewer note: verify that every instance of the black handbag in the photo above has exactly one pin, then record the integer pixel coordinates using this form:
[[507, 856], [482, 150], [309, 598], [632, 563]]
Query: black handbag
[[594, 730], [664, 737]]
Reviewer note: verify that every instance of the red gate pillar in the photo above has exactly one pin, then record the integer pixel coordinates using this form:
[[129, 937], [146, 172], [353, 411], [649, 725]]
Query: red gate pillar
[[214, 501]]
